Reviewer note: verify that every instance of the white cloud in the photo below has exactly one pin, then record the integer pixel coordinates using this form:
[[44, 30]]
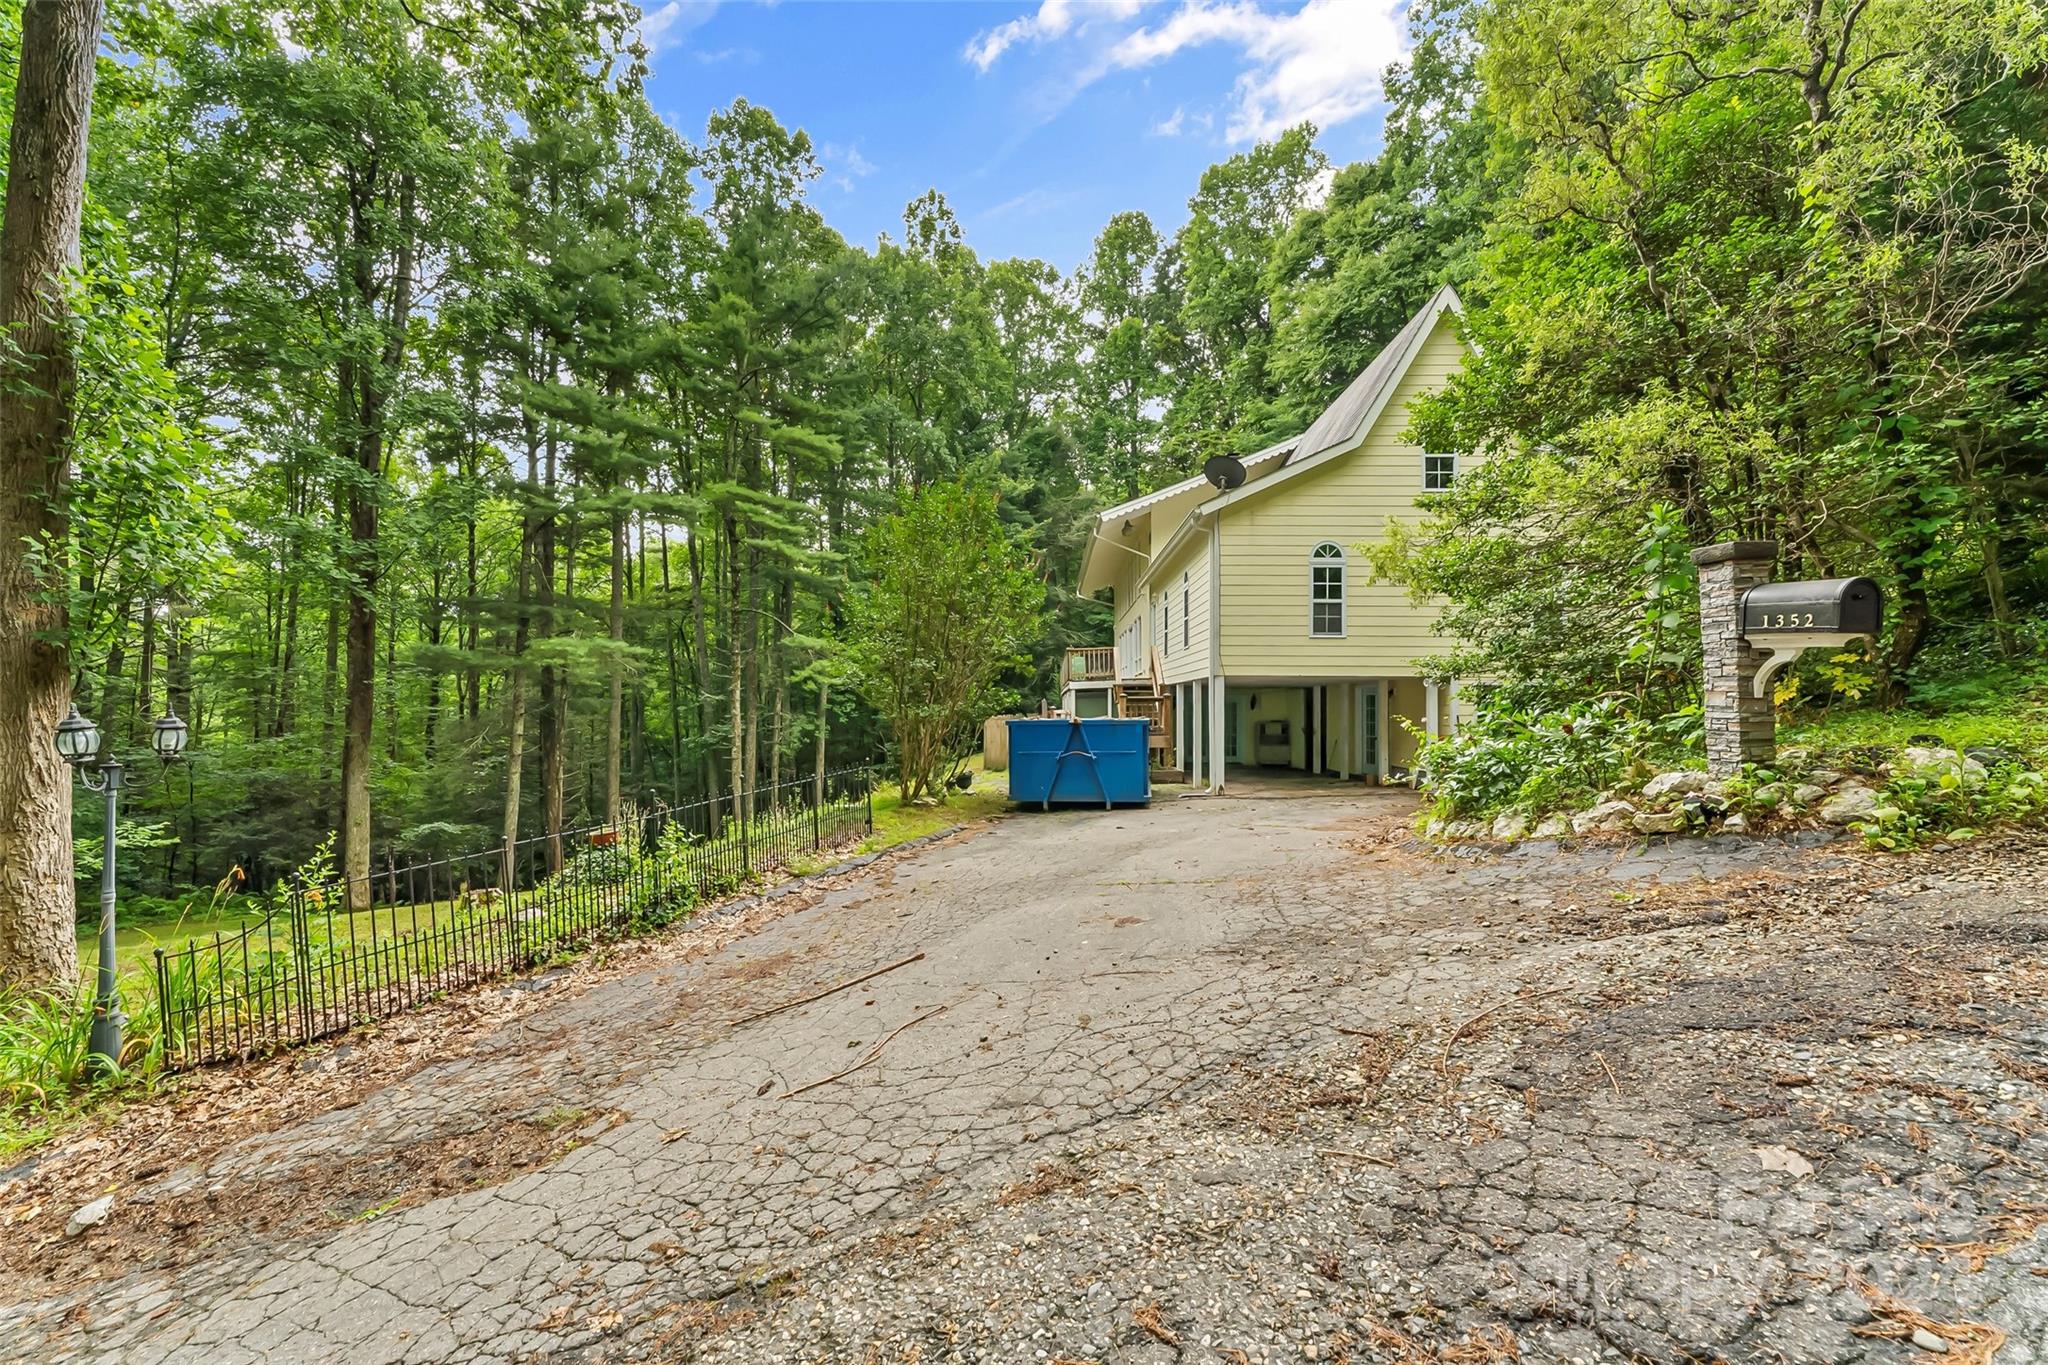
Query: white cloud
[[666, 25], [1029, 204], [1320, 62], [1052, 19], [1170, 126], [846, 160]]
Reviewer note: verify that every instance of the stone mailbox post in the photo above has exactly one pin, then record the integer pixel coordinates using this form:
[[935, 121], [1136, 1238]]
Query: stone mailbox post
[[1741, 726]]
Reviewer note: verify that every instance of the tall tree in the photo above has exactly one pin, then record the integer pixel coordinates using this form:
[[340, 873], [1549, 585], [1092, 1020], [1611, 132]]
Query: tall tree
[[39, 245]]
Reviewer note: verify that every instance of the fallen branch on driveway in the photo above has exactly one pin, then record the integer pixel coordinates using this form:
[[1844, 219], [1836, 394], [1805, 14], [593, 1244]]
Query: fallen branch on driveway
[[873, 1053], [830, 990], [1443, 1068], [1346, 1154]]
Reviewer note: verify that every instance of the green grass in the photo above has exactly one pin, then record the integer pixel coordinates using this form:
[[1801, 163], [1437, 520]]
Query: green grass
[[896, 823], [2005, 707]]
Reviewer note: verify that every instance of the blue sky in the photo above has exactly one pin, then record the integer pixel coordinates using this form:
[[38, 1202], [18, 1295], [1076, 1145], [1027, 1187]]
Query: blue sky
[[1036, 120]]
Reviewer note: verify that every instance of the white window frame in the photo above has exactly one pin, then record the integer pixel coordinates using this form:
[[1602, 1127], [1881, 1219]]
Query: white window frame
[[1449, 481], [1185, 638], [1341, 561]]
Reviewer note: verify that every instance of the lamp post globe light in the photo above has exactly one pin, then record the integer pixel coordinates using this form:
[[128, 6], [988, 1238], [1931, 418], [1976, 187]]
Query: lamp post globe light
[[78, 743]]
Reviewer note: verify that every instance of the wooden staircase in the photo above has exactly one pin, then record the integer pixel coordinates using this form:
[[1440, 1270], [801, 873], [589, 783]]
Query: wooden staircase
[[1150, 698]]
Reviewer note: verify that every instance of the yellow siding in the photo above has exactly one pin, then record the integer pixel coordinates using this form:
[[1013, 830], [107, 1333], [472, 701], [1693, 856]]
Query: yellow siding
[[1347, 499], [1133, 608], [1185, 662]]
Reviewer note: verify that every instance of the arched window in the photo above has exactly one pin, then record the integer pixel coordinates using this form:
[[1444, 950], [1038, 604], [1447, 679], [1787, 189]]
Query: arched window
[[1326, 589]]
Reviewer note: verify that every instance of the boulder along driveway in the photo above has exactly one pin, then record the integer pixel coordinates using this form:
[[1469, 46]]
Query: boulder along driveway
[[1235, 1079]]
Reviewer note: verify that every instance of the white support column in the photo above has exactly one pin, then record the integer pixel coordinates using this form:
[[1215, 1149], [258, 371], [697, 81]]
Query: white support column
[[1217, 759], [1451, 707], [1432, 709], [1383, 736]]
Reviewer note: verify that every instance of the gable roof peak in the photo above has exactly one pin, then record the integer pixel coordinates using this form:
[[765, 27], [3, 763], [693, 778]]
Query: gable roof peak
[[1345, 421]]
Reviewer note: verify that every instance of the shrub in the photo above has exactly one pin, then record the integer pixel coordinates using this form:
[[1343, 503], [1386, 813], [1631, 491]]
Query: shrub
[[601, 865], [45, 1058], [1950, 805], [1552, 760]]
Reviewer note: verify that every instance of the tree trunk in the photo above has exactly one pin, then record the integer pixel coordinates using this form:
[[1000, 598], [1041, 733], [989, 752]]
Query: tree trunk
[[735, 682], [145, 669], [615, 720], [515, 682], [38, 242], [675, 686], [824, 715], [700, 663]]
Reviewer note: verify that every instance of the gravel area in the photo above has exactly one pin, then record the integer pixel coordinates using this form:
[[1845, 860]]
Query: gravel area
[[1248, 1079]]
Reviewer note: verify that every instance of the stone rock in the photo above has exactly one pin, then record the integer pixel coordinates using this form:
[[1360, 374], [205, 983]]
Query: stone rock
[[1794, 757], [1510, 825], [1701, 809], [1607, 817], [1466, 829], [1659, 822], [91, 1216], [1806, 793], [1737, 823], [1935, 763], [1433, 828], [1665, 785], [1849, 805], [1927, 1341], [1552, 827], [1993, 756]]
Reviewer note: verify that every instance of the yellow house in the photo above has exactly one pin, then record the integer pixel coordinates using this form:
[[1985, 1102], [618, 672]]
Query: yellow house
[[1245, 624]]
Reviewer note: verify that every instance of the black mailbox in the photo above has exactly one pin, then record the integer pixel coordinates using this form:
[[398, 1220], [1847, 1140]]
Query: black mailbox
[[1827, 606]]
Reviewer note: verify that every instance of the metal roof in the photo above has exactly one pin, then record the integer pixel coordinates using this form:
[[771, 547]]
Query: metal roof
[[1124, 509], [1343, 423]]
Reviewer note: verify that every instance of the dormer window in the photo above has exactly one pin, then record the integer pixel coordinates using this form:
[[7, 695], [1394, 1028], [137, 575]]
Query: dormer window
[[1326, 589], [1439, 472]]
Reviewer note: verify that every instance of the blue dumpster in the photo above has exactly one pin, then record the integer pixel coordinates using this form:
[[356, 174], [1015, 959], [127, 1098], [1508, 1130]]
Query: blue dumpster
[[1102, 759]]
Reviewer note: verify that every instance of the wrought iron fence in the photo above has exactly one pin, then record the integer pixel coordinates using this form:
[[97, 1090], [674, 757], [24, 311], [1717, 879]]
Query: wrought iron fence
[[332, 952]]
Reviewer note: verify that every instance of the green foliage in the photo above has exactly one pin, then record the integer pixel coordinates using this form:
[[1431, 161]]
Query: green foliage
[[88, 851], [949, 604], [1663, 653], [1955, 805], [1543, 761], [1790, 310]]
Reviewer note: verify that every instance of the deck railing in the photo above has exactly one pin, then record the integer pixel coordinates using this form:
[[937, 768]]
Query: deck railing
[[1091, 663]]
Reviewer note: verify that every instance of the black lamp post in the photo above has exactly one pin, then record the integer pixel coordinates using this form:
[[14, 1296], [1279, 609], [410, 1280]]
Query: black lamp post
[[78, 741]]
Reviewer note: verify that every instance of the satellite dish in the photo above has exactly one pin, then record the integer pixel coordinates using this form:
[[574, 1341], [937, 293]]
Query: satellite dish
[[1225, 471]]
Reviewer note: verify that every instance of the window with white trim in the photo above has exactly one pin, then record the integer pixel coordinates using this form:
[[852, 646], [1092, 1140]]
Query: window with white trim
[[1326, 589], [1439, 472]]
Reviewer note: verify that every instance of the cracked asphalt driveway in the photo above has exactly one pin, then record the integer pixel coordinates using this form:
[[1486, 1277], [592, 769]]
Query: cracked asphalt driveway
[[1237, 1079]]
